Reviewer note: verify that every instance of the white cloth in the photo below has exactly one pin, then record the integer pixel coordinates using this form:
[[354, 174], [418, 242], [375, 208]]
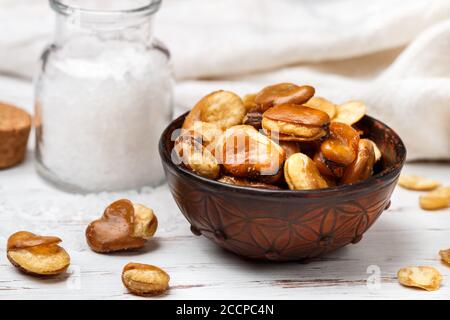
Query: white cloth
[[393, 54]]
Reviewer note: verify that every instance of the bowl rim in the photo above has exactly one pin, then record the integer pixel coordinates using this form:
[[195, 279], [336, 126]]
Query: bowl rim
[[387, 174]]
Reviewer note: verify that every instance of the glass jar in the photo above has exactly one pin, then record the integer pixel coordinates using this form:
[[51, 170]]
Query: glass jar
[[103, 96]]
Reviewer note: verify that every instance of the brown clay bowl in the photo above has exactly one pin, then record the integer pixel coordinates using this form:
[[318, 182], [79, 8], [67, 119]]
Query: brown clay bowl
[[283, 225]]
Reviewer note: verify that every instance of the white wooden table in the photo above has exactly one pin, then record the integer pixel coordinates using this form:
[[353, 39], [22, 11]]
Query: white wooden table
[[404, 235]]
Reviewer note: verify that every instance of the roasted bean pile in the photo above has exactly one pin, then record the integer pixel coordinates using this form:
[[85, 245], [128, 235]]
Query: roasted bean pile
[[281, 137]]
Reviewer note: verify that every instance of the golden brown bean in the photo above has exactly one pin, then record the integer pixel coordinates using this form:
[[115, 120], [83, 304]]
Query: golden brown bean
[[322, 104], [223, 108], [445, 256], [145, 280], [246, 153], [328, 168], [295, 123], [350, 112], [253, 118], [423, 277], [302, 174], [206, 133], [123, 226], [342, 145], [435, 200], [413, 182], [377, 150], [283, 93], [37, 255], [290, 147], [189, 150], [362, 167], [249, 101]]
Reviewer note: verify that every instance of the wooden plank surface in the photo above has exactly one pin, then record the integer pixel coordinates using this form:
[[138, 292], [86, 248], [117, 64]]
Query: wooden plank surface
[[404, 235]]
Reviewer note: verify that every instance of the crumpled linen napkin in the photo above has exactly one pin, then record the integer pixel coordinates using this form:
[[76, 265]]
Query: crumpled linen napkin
[[393, 54]]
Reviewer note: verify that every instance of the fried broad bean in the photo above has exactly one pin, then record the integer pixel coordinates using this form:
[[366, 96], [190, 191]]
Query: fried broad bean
[[350, 112], [295, 123], [328, 168], [322, 104], [290, 147], [377, 151], [189, 150], [253, 118], [302, 174], [310, 148], [423, 277], [223, 108], [123, 226], [362, 167], [145, 222], [413, 182], [433, 202], [282, 93], [37, 255], [145, 280], [249, 101], [342, 145], [206, 133], [246, 153], [221, 139], [445, 256], [443, 191], [436, 199], [247, 183]]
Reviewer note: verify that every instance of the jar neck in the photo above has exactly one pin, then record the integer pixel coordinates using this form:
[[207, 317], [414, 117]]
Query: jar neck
[[107, 27]]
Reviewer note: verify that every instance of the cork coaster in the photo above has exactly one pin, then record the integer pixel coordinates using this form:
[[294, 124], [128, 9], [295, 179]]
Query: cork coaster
[[15, 125]]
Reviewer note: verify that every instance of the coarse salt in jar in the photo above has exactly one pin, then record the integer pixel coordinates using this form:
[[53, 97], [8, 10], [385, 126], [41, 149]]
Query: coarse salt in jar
[[103, 97]]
